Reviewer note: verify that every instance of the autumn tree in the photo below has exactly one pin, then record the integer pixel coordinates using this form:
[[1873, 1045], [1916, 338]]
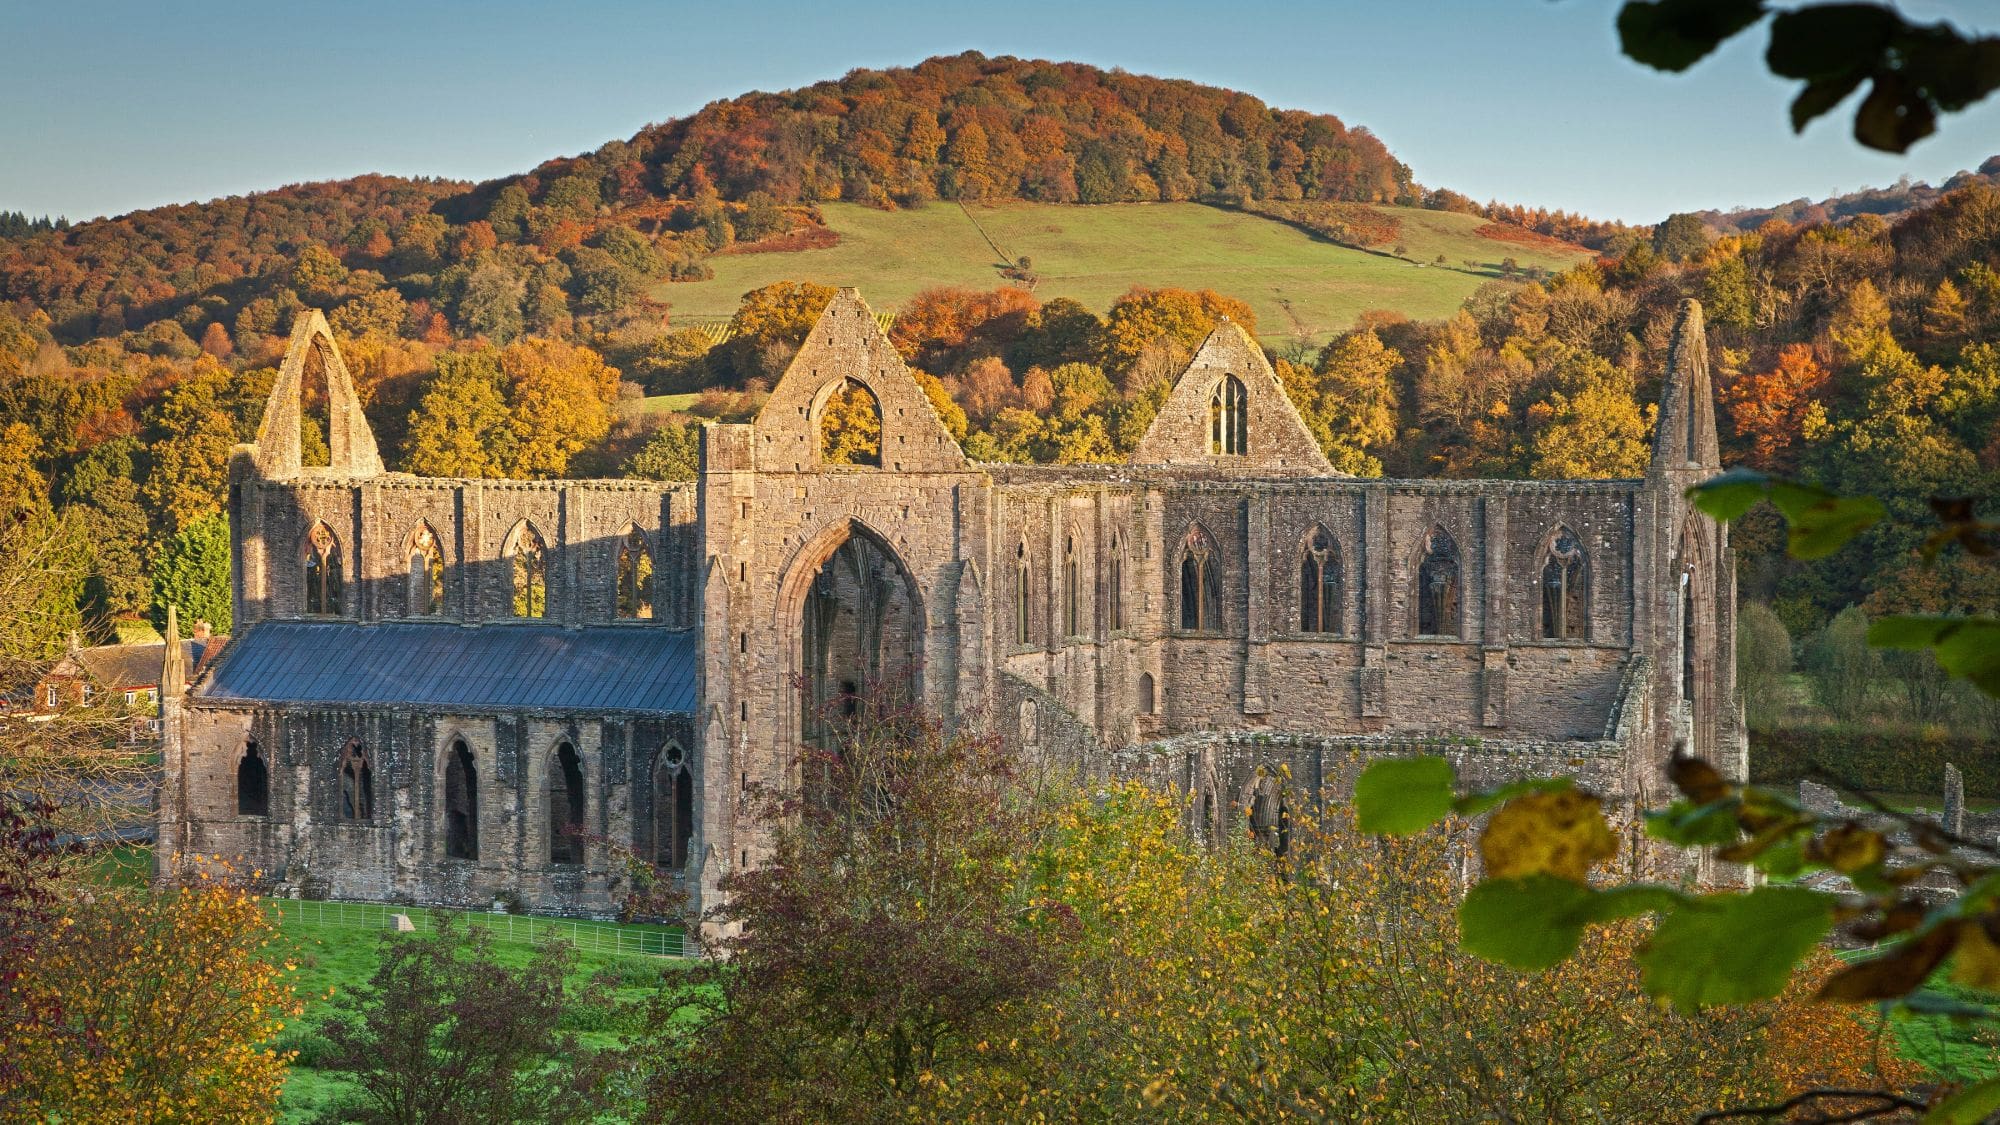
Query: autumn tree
[[193, 436], [1180, 319], [1591, 426], [672, 452], [1350, 404], [461, 427], [559, 399], [1776, 410], [158, 1006], [773, 321]]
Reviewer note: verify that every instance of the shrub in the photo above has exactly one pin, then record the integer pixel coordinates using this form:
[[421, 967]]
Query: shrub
[[1879, 761]]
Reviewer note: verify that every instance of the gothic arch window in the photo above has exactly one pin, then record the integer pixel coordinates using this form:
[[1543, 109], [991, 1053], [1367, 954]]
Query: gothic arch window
[[253, 783], [1319, 584], [673, 809], [1023, 591], [1565, 605], [565, 805], [635, 577], [1687, 634], [1439, 592], [1072, 590], [323, 571], [461, 802], [850, 427], [528, 555], [1147, 700], [357, 784], [1201, 584], [1229, 418], [426, 573], [1114, 582]]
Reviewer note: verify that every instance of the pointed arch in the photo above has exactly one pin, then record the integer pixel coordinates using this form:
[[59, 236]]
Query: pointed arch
[[357, 783], [527, 553], [253, 782], [1148, 698], [564, 793], [1440, 594], [673, 808], [849, 419], [424, 590], [1565, 587], [461, 802], [1321, 582], [635, 575], [1229, 418], [1114, 582], [1073, 592], [1024, 590], [323, 571], [1201, 582]]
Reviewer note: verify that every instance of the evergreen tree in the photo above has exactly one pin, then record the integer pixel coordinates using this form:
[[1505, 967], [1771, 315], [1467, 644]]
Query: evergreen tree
[[192, 572]]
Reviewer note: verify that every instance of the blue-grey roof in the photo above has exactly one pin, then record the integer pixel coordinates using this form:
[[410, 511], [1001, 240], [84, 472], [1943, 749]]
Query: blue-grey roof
[[526, 667]]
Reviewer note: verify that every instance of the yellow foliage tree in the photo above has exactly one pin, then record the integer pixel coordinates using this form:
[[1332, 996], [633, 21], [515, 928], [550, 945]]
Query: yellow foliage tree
[[153, 1007], [850, 427], [559, 403]]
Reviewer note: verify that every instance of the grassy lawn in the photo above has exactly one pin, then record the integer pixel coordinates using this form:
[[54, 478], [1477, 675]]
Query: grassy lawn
[[663, 404], [1297, 283], [334, 958]]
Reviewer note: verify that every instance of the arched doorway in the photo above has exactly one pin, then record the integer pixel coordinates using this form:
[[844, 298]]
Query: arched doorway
[[860, 633]]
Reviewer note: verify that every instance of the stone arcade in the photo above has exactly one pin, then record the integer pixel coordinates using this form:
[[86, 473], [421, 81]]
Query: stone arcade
[[449, 690]]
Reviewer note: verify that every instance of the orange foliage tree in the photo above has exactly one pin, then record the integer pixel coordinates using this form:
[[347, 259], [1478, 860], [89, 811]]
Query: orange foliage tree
[[1773, 411]]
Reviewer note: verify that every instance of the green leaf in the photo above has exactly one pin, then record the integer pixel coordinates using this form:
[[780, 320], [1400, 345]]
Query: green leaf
[[1733, 948], [1821, 522], [1966, 647], [1728, 496], [1783, 861], [1530, 923], [1969, 1106], [1676, 34], [1826, 40], [1632, 901], [1472, 804], [1402, 796], [1692, 826]]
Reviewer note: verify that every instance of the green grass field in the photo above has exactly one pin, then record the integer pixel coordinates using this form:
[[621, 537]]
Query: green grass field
[[1298, 284], [663, 404]]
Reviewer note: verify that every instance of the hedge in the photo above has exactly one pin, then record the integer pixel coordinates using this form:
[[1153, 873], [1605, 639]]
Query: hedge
[[1880, 761]]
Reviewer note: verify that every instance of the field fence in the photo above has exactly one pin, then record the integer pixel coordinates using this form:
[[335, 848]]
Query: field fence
[[595, 937]]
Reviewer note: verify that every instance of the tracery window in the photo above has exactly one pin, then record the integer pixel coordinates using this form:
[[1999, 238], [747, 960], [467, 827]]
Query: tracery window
[[1229, 418], [673, 809], [1565, 613], [1201, 585], [357, 784], [426, 588], [1320, 584], [565, 805], [635, 577], [1438, 593], [529, 556], [253, 783], [323, 571], [461, 803]]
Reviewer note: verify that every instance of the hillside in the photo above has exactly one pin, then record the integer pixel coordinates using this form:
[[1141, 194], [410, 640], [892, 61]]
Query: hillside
[[1892, 202], [1299, 284]]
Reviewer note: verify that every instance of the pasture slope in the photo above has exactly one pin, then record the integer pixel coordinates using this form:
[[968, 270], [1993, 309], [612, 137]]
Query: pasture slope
[[1300, 284]]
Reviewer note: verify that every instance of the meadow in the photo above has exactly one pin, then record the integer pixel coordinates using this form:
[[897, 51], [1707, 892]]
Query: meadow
[[1301, 285]]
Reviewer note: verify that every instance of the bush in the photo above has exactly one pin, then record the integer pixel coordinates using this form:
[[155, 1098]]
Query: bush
[[1884, 761], [1763, 661]]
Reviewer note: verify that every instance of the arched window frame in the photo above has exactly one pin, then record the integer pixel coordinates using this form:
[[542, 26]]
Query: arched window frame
[[841, 395], [673, 808], [527, 554], [1322, 583], [1438, 591], [1073, 624], [1149, 699], [1564, 583], [253, 782], [635, 574], [356, 799], [1229, 418], [566, 807], [1023, 596], [1201, 584], [461, 798], [324, 571], [1114, 583], [424, 592]]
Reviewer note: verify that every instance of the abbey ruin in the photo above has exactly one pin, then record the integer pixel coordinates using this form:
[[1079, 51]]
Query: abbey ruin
[[444, 691]]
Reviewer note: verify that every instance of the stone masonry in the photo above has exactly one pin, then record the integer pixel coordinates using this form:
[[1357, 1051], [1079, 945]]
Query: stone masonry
[[1224, 604]]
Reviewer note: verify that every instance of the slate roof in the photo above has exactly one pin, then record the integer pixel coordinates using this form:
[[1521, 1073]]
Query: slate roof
[[117, 667], [515, 667]]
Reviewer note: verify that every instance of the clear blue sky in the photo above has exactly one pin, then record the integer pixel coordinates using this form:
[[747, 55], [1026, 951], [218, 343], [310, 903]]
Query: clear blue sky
[[112, 107]]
